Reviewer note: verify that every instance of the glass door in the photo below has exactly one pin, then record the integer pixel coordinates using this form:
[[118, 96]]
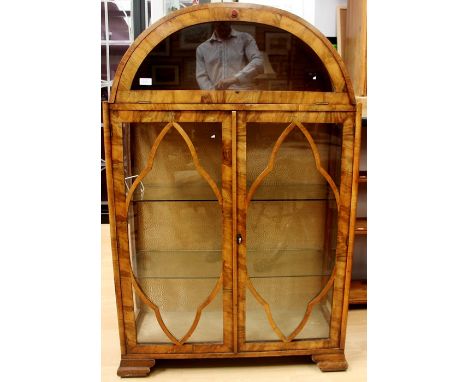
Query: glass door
[[179, 210], [289, 181]]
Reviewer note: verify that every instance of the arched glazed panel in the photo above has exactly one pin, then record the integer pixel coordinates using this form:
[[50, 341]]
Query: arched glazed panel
[[288, 64], [191, 16]]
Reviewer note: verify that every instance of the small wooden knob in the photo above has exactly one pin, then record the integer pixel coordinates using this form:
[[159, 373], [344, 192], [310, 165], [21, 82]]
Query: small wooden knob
[[234, 13]]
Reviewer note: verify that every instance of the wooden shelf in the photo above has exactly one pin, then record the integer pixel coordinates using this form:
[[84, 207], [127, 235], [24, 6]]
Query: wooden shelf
[[358, 292], [360, 227], [362, 176]]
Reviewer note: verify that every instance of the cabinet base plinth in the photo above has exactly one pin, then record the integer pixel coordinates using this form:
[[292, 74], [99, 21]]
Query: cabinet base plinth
[[135, 367], [330, 362]]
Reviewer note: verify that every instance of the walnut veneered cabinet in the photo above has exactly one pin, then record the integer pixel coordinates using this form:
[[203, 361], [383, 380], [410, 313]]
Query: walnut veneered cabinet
[[232, 211]]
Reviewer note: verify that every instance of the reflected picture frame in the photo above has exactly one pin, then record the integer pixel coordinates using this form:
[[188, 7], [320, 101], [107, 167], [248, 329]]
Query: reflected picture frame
[[165, 74], [192, 37], [163, 49], [190, 71], [277, 43], [247, 28]]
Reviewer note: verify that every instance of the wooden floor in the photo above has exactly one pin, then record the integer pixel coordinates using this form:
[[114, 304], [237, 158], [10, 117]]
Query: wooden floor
[[295, 369]]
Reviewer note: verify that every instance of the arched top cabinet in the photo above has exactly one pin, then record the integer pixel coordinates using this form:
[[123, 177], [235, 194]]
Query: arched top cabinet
[[298, 58], [232, 211]]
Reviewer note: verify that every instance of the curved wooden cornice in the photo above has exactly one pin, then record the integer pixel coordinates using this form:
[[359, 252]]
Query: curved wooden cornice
[[186, 17]]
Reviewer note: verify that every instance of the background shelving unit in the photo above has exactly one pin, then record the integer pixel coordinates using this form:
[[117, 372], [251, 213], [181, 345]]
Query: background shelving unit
[[116, 37], [352, 45]]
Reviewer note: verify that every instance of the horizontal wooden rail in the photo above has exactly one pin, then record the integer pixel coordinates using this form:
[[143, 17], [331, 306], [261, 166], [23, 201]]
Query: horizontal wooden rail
[[360, 227]]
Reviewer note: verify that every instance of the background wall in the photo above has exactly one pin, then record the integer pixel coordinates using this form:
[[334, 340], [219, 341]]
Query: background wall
[[302, 8], [320, 13], [325, 15]]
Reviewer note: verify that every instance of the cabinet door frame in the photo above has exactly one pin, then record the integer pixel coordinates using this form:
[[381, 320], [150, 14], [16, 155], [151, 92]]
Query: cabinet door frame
[[339, 306], [121, 255]]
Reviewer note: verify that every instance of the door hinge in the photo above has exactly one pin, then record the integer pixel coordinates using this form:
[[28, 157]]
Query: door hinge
[[239, 238]]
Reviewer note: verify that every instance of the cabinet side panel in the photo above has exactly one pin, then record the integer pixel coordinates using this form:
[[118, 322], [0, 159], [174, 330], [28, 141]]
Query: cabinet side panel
[[343, 230], [115, 254], [122, 231], [354, 195]]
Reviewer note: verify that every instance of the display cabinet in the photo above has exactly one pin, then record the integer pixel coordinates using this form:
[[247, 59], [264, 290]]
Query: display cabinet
[[232, 211]]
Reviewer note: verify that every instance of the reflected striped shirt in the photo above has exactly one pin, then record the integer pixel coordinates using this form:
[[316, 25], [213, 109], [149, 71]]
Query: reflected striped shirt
[[237, 56]]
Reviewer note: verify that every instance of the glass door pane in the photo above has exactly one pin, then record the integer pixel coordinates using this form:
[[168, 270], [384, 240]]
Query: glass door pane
[[291, 228], [175, 221]]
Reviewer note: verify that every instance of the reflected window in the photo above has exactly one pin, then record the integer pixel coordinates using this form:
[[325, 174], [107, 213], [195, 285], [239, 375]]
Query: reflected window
[[235, 56]]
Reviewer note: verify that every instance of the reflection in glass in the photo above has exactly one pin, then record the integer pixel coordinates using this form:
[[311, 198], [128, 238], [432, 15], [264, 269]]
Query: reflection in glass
[[229, 59], [175, 229], [291, 228], [288, 63]]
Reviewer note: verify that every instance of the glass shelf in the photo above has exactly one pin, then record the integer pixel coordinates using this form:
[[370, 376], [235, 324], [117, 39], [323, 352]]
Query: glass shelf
[[215, 278], [204, 193], [154, 193], [363, 176]]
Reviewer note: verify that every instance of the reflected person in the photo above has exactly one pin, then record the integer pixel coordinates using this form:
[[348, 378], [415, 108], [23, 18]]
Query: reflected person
[[229, 59]]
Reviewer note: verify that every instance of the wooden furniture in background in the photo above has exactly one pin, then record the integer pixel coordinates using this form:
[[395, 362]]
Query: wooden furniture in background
[[341, 14], [232, 212], [352, 45], [358, 290], [355, 48]]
